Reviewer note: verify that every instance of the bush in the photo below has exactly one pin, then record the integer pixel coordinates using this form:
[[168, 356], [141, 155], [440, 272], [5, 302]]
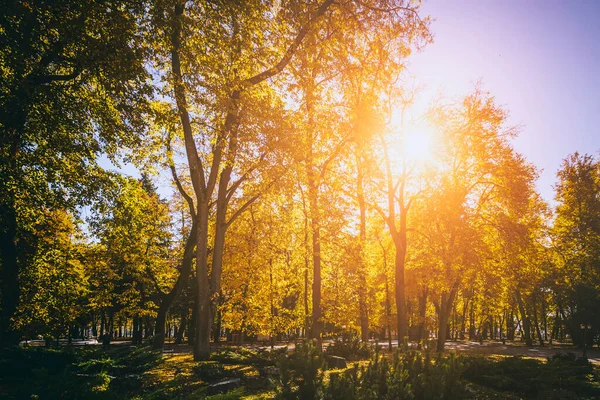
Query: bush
[[242, 356], [408, 374], [209, 371], [561, 376], [350, 347], [301, 372]]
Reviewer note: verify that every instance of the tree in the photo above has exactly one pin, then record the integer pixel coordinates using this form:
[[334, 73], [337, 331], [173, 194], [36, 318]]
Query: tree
[[215, 89], [576, 240], [55, 287], [72, 83], [132, 267], [480, 174]]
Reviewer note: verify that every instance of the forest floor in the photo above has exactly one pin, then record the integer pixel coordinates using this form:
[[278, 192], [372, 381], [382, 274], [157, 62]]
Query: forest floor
[[491, 371]]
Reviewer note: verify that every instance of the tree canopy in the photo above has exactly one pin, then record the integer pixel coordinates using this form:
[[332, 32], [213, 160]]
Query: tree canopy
[[284, 184]]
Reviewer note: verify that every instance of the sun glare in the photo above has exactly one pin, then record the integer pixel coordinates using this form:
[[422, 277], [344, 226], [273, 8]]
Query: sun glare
[[414, 143], [418, 143]]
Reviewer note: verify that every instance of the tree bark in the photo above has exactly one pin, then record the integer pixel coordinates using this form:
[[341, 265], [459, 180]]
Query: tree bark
[[362, 290], [536, 322], [445, 308], [400, 285], [168, 298], [422, 315], [9, 272], [526, 324]]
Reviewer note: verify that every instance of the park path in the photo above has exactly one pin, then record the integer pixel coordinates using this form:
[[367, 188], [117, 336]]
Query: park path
[[485, 348]]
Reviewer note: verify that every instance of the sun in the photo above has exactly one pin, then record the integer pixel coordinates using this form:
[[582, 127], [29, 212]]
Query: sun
[[417, 140], [413, 138], [412, 144]]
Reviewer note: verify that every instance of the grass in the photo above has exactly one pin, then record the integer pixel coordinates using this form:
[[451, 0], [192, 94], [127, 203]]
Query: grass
[[128, 372]]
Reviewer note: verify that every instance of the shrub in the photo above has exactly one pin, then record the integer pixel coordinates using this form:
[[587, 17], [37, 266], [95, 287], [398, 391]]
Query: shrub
[[209, 371], [300, 372], [561, 376], [409, 374], [350, 347]]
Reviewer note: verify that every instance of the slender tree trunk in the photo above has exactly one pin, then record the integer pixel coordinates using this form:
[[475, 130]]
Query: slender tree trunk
[[317, 323], [362, 290], [400, 287], [422, 315], [463, 324], [217, 329], [204, 315], [536, 322], [181, 331], [526, 323], [168, 298], [306, 310], [510, 324], [158, 341], [388, 313], [9, 271], [315, 220], [193, 322], [445, 308]]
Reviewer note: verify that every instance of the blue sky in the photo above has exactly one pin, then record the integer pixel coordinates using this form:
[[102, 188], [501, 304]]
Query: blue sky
[[541, 61]]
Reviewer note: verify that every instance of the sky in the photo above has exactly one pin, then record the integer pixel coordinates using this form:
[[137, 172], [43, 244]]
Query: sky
[[540, 59]]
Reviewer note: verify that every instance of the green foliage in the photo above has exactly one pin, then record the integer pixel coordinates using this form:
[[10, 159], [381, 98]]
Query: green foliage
[[350, 347], [73, 88], [55, 288], [561, 376], [576, 239], [209, 371], [409, 374], [300, 372], [75, 373], [131, 263], [242, 356]]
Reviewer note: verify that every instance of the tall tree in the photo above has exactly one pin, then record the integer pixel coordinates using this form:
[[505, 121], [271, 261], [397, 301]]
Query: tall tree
[[576, 240], [72, 81]]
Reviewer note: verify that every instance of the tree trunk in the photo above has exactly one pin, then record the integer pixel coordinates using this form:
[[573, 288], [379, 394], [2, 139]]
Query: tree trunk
[[400, 287], [193, 322], [204, 306], [317, 324], [388, 312], [9, 272], [158, 341], [362, 290], [536, 322], [510, 324], [136, 337], [422, 315], [445, 308], [315, 219], [168, 298], [181, 331], [526, 323], [463, 323]]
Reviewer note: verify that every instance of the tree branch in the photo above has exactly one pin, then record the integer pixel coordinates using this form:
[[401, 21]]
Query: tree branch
[[289, 53], [180, 187]]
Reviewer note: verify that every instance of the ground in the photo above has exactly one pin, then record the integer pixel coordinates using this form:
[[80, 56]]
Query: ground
[[490, 370]]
